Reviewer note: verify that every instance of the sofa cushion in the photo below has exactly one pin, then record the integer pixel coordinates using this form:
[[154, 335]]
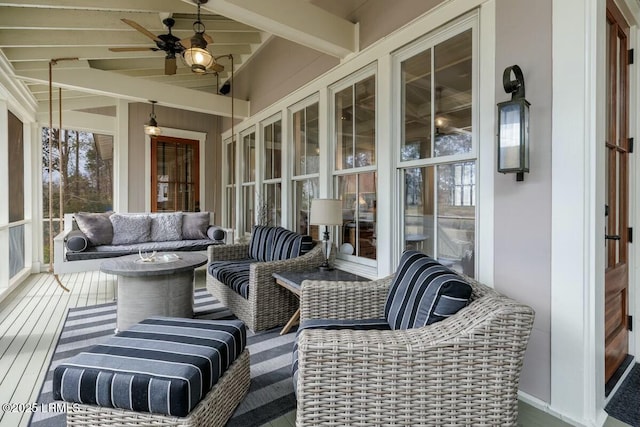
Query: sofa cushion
[[234, 274], [423, 291], [96, 226], [287, 244], [195, 225], [129, 229], [261, 242], [76, 241], [166, 227], [161, 365], [111, 251], [333, 324]]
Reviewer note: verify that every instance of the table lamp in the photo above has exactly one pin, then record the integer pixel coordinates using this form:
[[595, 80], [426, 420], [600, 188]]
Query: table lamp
[[326, 212]]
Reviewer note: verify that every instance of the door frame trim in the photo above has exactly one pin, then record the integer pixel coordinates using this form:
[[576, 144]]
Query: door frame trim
[[174, 133]]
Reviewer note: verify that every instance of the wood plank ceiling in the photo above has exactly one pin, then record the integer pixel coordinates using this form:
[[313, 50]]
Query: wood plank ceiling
[[33, 32]]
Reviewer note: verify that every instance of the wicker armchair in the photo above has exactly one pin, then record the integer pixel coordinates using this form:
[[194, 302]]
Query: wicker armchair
[[268, 305], [463, 370]]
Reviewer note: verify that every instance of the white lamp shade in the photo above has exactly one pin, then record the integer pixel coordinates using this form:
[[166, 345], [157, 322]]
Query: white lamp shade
[[326, 212]]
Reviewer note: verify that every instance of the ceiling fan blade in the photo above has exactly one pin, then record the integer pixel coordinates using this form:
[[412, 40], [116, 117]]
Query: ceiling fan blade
[[207, 37], [217, 67], [140, 28], [132, 49], [170, 66], [186, 43]]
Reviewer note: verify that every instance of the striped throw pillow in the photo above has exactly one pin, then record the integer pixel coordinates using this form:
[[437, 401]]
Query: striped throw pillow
[[423, 292], [261, 242]]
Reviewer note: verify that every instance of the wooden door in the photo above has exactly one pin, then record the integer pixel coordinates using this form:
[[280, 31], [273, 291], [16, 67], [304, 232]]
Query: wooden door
[[175, 174], [617, 192]]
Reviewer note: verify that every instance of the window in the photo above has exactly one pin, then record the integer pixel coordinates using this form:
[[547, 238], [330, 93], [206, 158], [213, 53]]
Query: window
[[354, 106], [248, 181], [306, 155], [85, 178], [230, 183], [271, 202], [437, 160]]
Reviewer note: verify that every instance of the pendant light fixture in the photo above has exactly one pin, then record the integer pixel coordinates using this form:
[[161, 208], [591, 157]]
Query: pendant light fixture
[[196, 55], [151, 127]]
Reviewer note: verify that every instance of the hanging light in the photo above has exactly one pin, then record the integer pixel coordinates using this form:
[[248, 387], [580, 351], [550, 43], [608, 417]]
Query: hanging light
[[197, 56], [151, 127]]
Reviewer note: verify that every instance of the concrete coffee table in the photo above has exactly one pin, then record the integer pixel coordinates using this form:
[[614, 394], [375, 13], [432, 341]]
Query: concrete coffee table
[[163, 287]]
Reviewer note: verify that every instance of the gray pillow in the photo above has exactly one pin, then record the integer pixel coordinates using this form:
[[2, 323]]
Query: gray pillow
[[195, 225], [76, 241], [96, 226], [128, 229], [216, 233], [166, 227]]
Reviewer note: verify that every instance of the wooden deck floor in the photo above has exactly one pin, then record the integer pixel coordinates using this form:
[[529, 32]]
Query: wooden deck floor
[[32, 317]]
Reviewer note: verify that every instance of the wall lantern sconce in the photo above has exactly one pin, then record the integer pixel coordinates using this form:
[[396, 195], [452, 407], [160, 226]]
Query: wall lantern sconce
[[151, 127], [513, 126]]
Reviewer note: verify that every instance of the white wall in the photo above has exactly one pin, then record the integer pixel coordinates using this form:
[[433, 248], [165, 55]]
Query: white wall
[[522, 257]]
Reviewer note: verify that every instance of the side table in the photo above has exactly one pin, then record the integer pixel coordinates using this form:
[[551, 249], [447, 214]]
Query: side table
[[292, 281]]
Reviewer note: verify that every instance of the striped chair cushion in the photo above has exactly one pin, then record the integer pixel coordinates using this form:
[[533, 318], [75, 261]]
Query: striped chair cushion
[[162, 365], [261, 242], [423, 291], [333, 324], [287, 244], [234, 274]]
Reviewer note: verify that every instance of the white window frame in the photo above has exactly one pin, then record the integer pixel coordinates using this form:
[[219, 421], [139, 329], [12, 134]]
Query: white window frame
[[429, 41], [240, 219], [371, 70], [261, 149]]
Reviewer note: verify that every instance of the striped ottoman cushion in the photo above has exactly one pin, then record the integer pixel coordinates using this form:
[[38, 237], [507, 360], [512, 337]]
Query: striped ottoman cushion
[[161, 365]]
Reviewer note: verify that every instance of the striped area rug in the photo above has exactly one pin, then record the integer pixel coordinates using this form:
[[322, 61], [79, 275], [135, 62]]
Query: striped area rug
[[271, 392]]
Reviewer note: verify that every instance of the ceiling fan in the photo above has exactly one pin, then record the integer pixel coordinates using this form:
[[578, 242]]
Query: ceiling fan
[[165, 42]]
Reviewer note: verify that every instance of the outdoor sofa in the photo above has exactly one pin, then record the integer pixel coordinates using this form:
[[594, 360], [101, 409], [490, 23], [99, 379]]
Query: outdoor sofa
[[89, 238]]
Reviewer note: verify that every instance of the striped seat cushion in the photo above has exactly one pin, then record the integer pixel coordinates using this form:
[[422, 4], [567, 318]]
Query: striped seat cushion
[[333, 324], [161, 365], [287, 244], [423, 291], [234, 274]]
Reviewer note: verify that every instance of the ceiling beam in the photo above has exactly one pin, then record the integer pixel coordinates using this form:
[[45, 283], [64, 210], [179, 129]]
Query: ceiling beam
[[54, 38], [167, 6], [77, 120], [124, 87], [23, 54], [77, 103], [295, 20]]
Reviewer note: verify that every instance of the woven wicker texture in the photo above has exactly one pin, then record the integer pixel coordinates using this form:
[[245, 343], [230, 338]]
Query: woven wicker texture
[[268, 305], [214, 410], [462, 371]]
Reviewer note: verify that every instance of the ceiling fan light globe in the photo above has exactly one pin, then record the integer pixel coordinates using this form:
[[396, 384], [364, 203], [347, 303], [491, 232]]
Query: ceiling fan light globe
[[198, 59]]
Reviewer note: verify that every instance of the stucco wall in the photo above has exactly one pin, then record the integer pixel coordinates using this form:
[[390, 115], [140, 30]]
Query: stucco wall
[[176, 119], [523, 209]]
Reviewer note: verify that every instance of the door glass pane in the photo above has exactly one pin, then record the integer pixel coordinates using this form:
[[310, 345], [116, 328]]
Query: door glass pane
[[231, 163], [231, 207], [272, 211], [453, 81], [344, 128], [249, 158], [248, 203], [416, 87], [365, 123]]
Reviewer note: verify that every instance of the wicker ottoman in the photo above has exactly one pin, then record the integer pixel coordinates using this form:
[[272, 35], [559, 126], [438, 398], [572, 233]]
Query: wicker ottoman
[[162, 371]]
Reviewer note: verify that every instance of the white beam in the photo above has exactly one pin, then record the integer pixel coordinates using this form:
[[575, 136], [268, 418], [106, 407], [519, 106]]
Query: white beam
[[78, 103], [124, 87], [82, 121], [167, 6], [295, 20], [30, 18]]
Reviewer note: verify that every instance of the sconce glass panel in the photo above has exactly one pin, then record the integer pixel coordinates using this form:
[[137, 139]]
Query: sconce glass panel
[[509, 155]]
